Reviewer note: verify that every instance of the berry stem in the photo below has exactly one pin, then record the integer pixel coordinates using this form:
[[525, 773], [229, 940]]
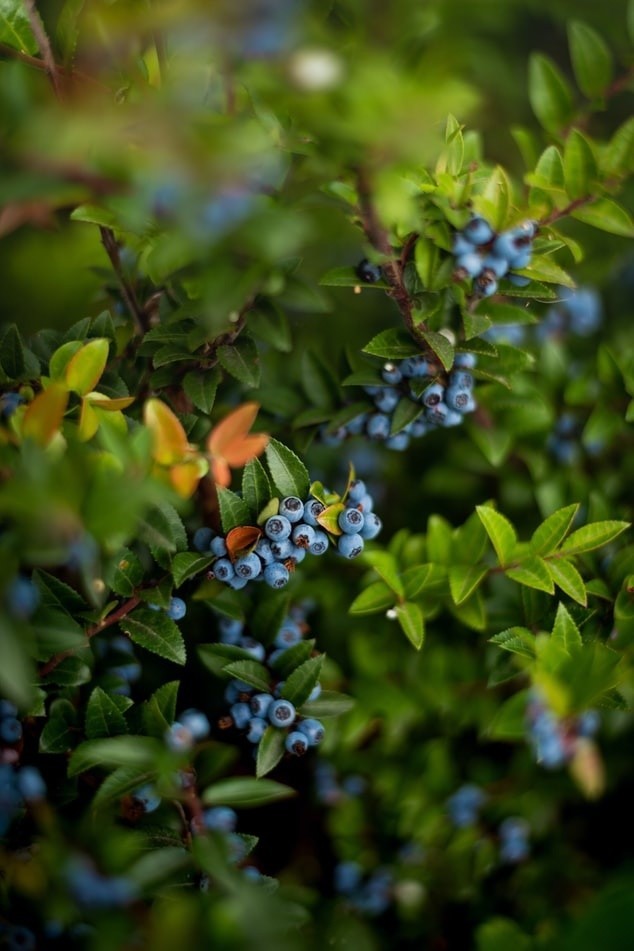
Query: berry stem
[[44, 46], [111, 247], [564, 212]]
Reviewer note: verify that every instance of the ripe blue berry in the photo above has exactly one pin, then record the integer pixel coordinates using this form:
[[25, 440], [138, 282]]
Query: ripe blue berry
[[347, 877], [292, 508], [391, 373], [235, 689], [399, 442], [372, 525], [177, 609], [588, 723], [31, 784], [220, 819], [436, 414], [288, 634], [8, 709], [298, 554], [277, 528], [178, 738], [356, 425], [240, 714], [202, 538], [521, 260], [465, 361], [22, 598], [418, 428], [461, 245], [230, 630], [313, 508], [296, 743], [253, 647], [276, 575], [416, 367], [320, 544], [237, 583], [223, 569], [519, 280], [459, 399], [196, 722], [365, 504], [303, 536], [147, 797], [350, 546], [260, 704], [465, 804], [461, 379], [486, 284], [9, 402], [471, 264], [281, 713], [357, 490], [10, 730], [263, 551], [478, 231], [506, 245], [218, 546], [433, 395], [351, 521], [248, 566], [387, 400], [313, 730], [367, 272], [499, 266], [282, 549], [257, 728], [378, 426]]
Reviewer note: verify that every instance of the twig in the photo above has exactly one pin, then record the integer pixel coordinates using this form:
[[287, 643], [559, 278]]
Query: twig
[[44, 46], [564, 212], [112, 250]]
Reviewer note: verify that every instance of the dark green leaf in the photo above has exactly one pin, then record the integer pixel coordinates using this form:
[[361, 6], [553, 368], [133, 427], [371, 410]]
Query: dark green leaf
[[299, 685], [103, 717], [270, 750], [500, 531], [329, 703], [244, 791], [15, 29], [200, 386], [591, 59], [156, 632], [241, 360], [410, 617], [549, 93], [233, 510], [376, 597], [256, 487], [548, 536], [187, 564], [393, 344], [251, 672], [288, 472], [132, 751]]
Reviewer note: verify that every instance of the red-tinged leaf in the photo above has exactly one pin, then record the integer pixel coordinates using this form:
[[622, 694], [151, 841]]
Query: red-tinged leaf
[[234, 426], [44, 414], [230, 446], [221, 473], [84, 370], [170, 440], [185, 477], [241, 540], [246, 448]]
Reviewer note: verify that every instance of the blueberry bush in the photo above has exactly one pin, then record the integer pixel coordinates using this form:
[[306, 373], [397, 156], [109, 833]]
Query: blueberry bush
[[316, 468]]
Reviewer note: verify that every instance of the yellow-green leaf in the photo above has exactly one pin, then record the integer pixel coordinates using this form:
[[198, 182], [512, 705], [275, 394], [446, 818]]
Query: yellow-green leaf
[[410, 617], [44, 414], [85, 368], [533, 572], [500, 531], [566, 576]]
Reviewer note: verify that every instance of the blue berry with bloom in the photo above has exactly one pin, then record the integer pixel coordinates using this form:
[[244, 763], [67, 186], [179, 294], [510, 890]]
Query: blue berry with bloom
[[176, 609], [147, 797], [478, 231], [351, 521], [10, 730], [465, 804], [277, 528], [220, 819], [22, 598], [320, 544], [312, 509], [256, 729], [350, 546], [196, 722], [282, 549], [378, 426], [357, 490], [281, 713], [514, 845], [240, 714], [253, 647], [249, 566], [391, 373], [296, 743], [368, 272], [218, 546], [399, 442], [223, 569], [387, 400], [303, 535], [202, 539], [372, 525], [292, 508], [288, 634], [313, 730], [260, 704], [230, 630], [276, 575]]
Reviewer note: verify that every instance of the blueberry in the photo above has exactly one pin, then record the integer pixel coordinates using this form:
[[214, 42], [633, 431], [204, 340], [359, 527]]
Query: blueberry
[[478, 231], [257, 728], [365, 503], [296, 743], [313, 730], [357, 425], [433, 395], [202, 538], [506, 246], [9, 402], [354, 785], [465, 361], [253, 647], [240, 714], [499, 266], [223, 569], [416, 367], [303, 536], [288, 634], [387, 399], [372, 525], [292, 508], [177, 609], [218, 546], [461, 245], [178, 738], [486, 284], [252, 873], [584, 308], [313, 508], [315, 692], [418, 428], [10, 730], [371, 390], [249, 566], [465, 804], [220, 819], [234, 690], [8, 709], [230, 630], [281, 713], [378, 426], [31, 784], [298, 554], [437, 414], [399, 442], [333, 439], [347, 877], [22, 597], [391, 373], [260, 704], [459, 399], [514, 846], [282, 549], [357, 490], [147, 797], [367, 272], [351, 521], [350, 546], [237, 583], [276, 575], [277, 528], [519, 280], [471, 264], [196, 722], [588, 723], [263, 551], [320, 544]]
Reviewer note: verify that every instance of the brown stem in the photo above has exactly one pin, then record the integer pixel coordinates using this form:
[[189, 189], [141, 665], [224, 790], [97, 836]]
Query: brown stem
[[127, 290], [44, 46], [564, 212], [112, 618]]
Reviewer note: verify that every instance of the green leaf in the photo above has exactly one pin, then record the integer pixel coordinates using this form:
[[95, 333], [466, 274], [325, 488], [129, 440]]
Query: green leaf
[[61, 729], [163, 530], [548, 536], [159, 711], [251, 672], [234, 511], [386, 567], [618, 155], [317, 383], [569, 580], [517, 640], [156, 632], [376, 597], [125, 573], [134, 751], [15, 29], [200, 386], [441, 347], [410, 617], [187, 564], [12, 357], [347, 277], [270, 751], [500, 531], [501, 934], [420, 577], [288, 472], [241, 360], [244, 791], [256, 487], [495, 200], [580, 166], [532, 572], [549, 170], [593, 536], [565, 631], [464, 579], [591, 59], [292, 657], [549, 93], [606, 215], [273, 327], [543, 268], [122, 782], [103, 717], [299, 685], [509, 723], [329, 703], [392, 344], [85, 368]]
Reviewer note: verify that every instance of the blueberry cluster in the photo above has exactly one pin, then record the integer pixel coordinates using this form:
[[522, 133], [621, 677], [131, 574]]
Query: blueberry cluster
[[253, 711], [578, 311], [370, 895], [18, 785], [191, 727], [90, 889], [485, 256], [554, 740], [514, 845], [331, 789], [442, 404], [464, 805], [296, 530]]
